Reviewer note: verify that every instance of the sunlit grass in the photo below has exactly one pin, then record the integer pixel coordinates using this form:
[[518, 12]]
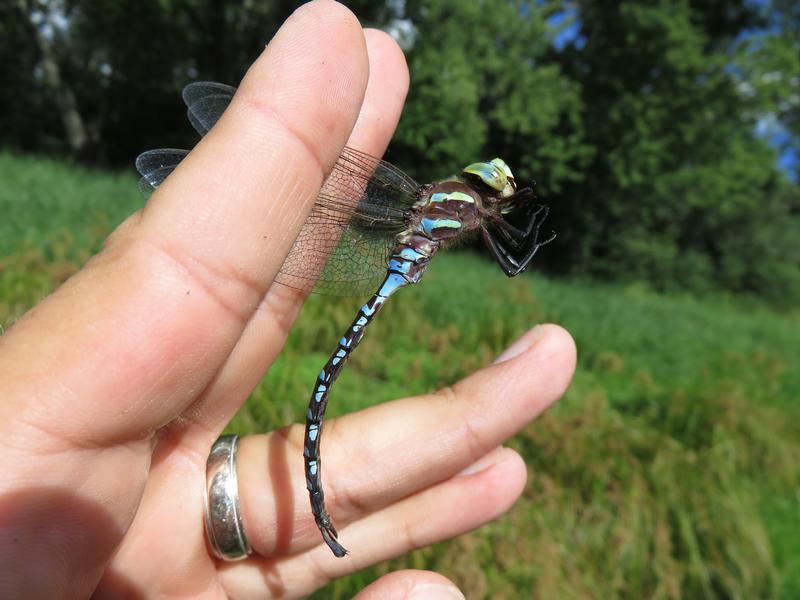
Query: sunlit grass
[[41, 198], [669, 470]]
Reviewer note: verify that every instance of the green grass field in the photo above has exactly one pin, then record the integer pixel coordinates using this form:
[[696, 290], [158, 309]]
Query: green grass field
[[671, 468]]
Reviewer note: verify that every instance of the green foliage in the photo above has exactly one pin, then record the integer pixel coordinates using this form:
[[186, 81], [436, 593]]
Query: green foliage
[[56, 215], [680, 192], [42, 198], [770, 70], [481, 85]]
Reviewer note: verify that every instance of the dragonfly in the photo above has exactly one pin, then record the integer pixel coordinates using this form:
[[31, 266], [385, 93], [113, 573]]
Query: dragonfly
[[374, 229]]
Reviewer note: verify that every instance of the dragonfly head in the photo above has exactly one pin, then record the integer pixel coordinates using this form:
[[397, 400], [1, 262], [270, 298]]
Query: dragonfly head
[[494, 174]]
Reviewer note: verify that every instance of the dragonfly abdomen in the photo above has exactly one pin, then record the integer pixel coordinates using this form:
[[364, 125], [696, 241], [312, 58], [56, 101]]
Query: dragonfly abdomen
[[406, 265]]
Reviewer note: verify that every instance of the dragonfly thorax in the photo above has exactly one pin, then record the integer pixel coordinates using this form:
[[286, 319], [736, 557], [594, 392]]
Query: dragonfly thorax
[[446, 210]]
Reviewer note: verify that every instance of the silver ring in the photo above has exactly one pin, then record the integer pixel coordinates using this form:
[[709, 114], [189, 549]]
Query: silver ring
[[223, 516]]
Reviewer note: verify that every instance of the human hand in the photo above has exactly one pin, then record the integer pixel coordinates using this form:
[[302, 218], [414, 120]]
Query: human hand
[[115, 387]]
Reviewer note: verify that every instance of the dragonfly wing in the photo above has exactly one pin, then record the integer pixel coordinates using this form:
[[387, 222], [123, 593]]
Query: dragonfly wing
[[345, 243], [349, 263], [205, 103], [354, 165], [343, 247], [155, 166]]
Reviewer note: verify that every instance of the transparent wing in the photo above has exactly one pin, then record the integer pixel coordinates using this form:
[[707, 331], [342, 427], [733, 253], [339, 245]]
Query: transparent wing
[[155, 166], [343, 247], [344, 244], [205, 102]]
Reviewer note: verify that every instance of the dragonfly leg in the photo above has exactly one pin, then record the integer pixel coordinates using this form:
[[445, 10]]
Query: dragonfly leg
[[510, 266], [520, 245], [516, 237]]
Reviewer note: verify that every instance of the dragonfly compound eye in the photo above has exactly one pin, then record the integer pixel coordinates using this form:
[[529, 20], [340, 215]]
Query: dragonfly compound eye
[[493, 174], [499, 162]]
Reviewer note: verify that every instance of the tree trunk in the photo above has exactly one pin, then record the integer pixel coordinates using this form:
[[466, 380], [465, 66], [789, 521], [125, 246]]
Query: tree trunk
[[66, 104]]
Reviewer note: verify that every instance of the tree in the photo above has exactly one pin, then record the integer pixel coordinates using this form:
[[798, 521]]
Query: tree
[[38, 22], [113, 71], [480, 87], [681, 191]]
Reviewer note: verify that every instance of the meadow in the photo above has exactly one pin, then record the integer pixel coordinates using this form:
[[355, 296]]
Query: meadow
[[670, 469]]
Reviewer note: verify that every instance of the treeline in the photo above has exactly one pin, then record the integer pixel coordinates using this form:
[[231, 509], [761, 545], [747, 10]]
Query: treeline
[[651, 127]]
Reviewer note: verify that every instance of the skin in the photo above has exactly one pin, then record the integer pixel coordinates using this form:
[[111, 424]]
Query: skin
[[114, 388]]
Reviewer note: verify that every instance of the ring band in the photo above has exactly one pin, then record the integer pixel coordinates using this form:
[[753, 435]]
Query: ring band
[[223, 516]]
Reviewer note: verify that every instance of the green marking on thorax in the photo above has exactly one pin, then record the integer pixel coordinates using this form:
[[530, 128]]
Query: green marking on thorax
[[457, 196], [451, 223]]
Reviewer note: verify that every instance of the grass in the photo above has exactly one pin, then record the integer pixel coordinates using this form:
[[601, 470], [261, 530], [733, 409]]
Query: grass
[[669, 470]]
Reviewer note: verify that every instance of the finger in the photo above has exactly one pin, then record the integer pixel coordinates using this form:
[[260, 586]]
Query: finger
[[407, 584], [440, 512], [267, 329], [388, 452], [477, 495], [155, 316]]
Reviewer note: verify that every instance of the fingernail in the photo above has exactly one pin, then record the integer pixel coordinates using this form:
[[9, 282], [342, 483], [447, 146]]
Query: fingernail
[[435, 591], [523, 344], [486, 461]]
